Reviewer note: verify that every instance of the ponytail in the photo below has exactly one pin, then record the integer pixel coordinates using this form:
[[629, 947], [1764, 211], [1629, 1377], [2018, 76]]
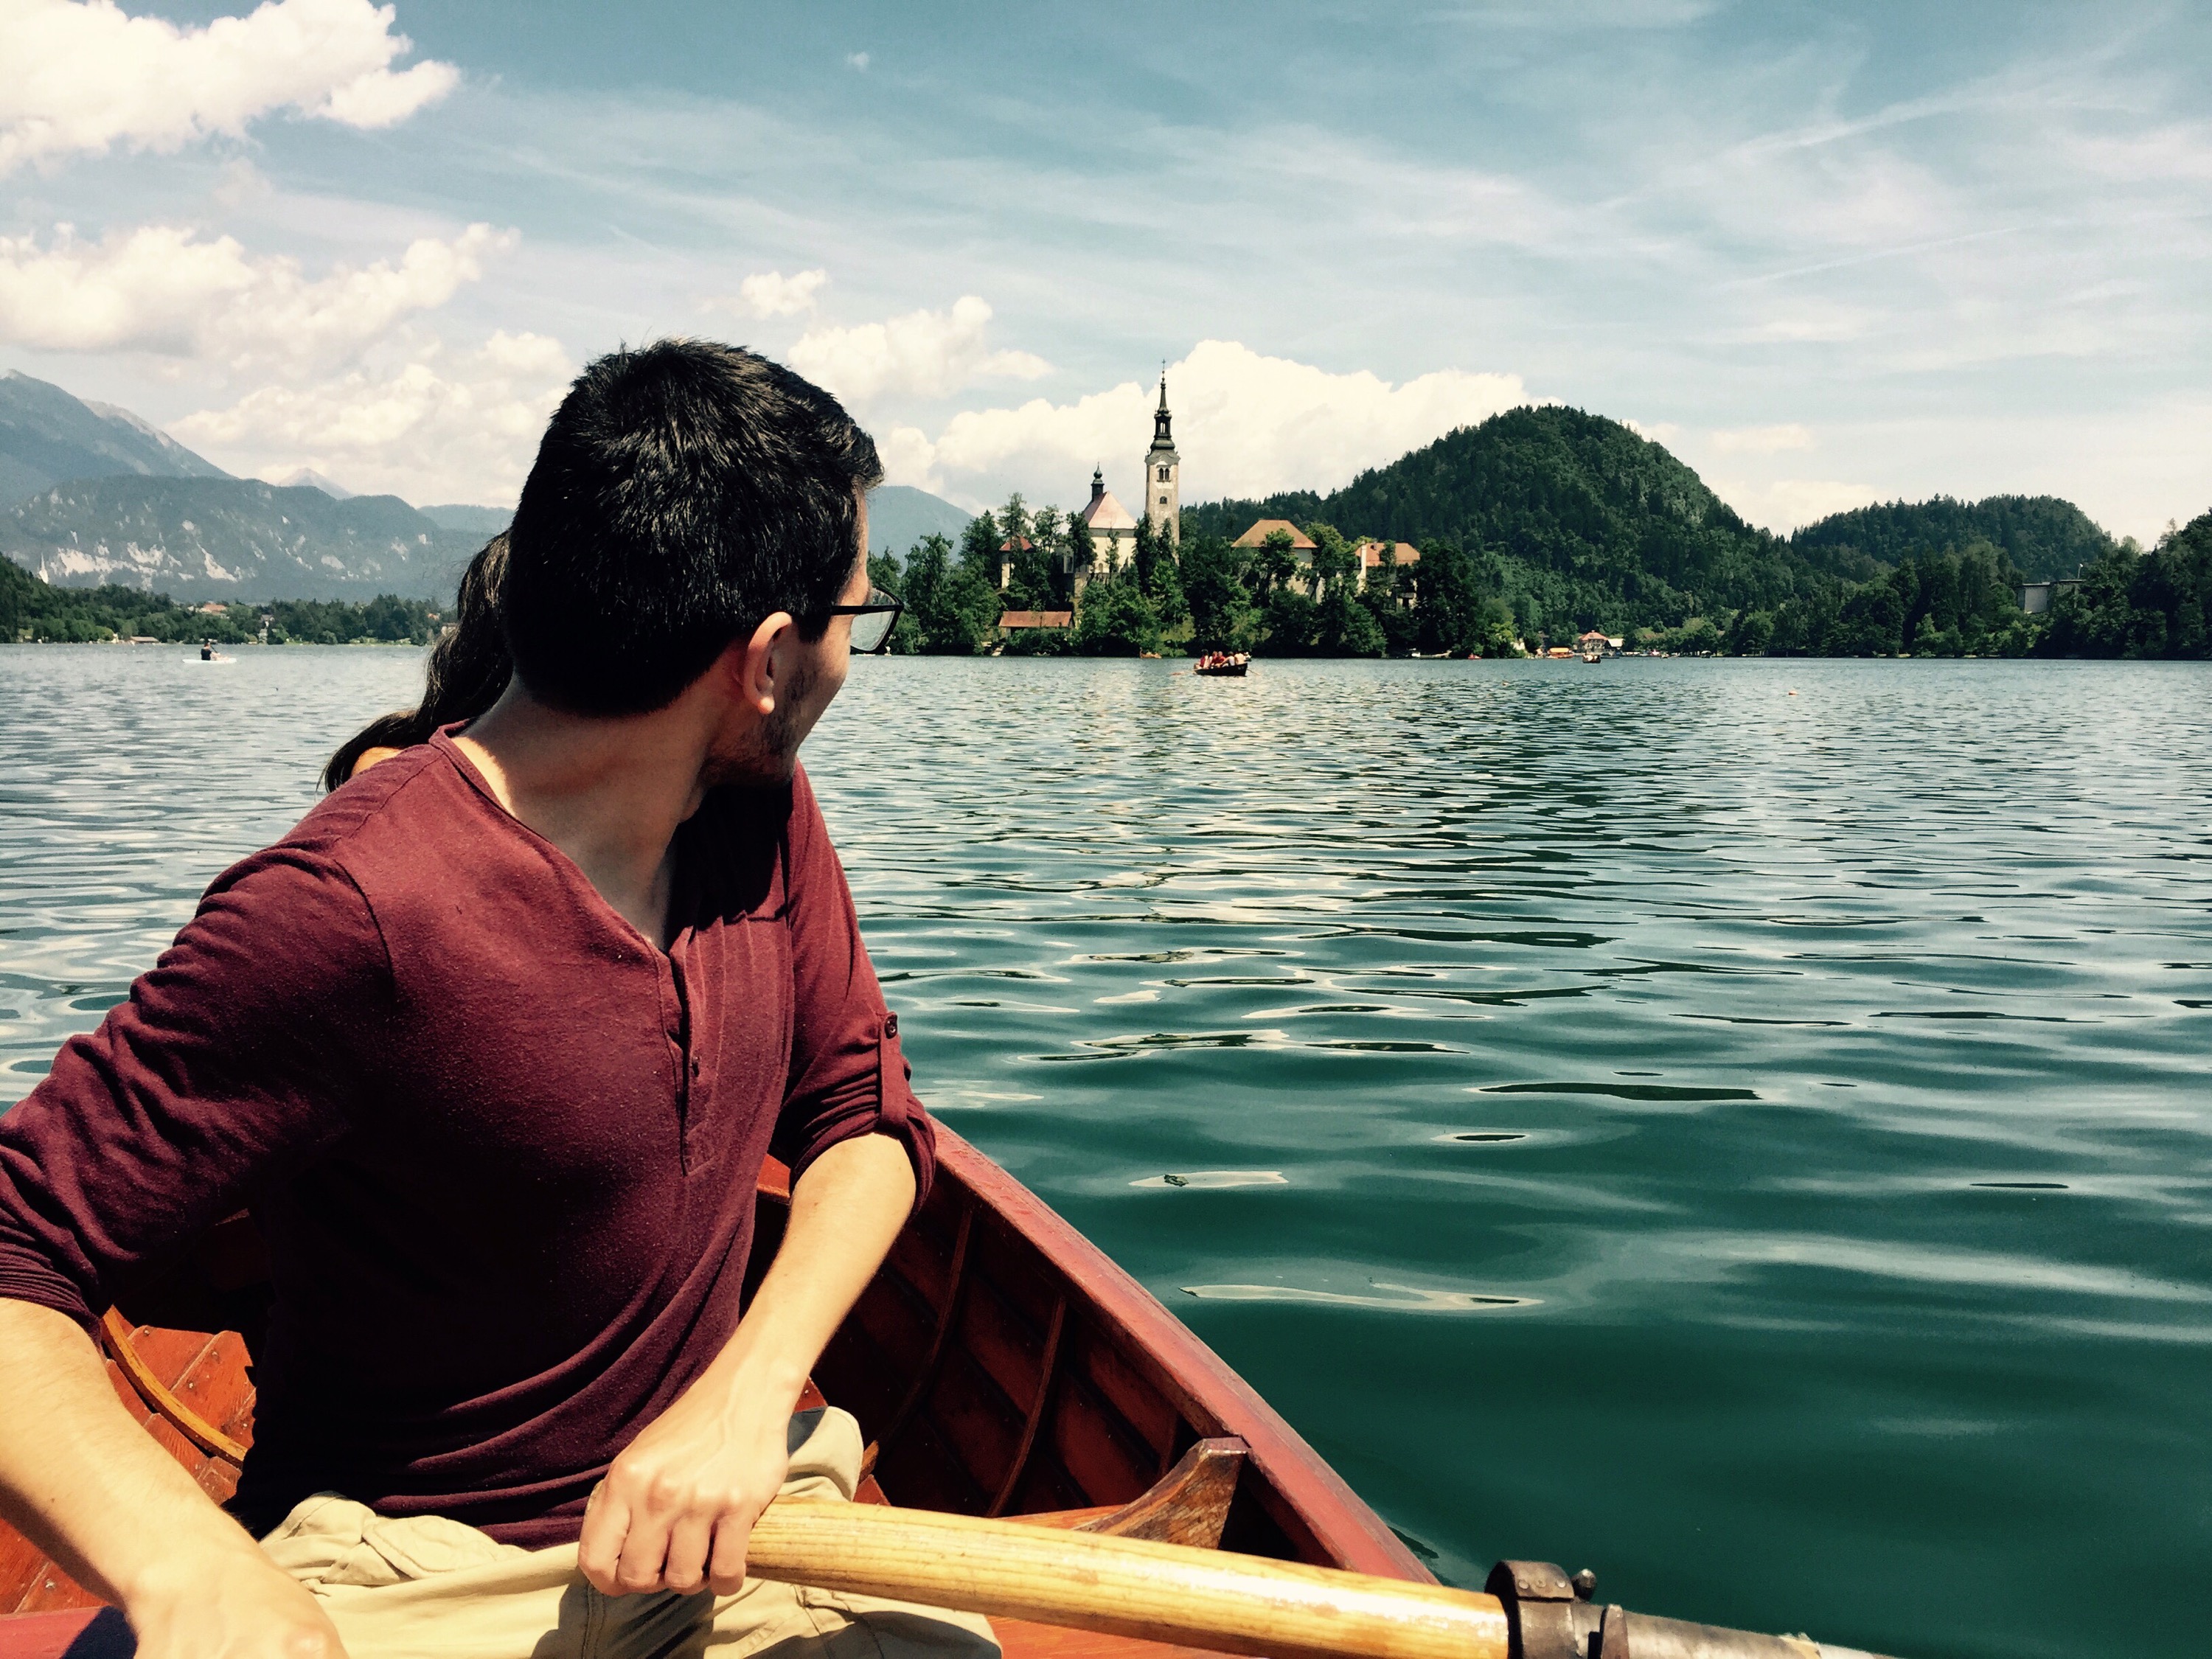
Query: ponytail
[[467, 670]]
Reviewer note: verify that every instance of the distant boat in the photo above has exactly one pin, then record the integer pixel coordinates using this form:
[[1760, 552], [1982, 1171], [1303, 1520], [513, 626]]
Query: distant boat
[[207, 650], [1226, 665], [1591, 656]]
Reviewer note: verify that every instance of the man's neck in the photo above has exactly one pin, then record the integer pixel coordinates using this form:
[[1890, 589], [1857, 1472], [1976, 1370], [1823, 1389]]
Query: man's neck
[[609, 793]]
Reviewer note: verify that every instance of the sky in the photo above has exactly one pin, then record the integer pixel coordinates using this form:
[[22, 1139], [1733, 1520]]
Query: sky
[[1826, 253]]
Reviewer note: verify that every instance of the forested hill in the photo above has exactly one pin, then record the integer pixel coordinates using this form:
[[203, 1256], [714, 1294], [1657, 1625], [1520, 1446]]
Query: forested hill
[[1571, 511], [2045, 537]]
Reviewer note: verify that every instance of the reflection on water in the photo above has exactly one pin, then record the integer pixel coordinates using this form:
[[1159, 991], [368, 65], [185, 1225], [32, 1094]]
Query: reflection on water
[[1753, 1144]]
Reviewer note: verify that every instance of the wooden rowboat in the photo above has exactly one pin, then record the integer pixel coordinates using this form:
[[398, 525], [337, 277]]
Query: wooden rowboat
[[999, 1365]]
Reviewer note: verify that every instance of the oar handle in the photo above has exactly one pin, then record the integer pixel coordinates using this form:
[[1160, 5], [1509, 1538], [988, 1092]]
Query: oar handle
[[1121, 1586]]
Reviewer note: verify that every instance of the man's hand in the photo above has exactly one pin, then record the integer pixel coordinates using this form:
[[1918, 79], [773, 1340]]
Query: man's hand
[[240, 1605], [91, 1488], [678, 1505]]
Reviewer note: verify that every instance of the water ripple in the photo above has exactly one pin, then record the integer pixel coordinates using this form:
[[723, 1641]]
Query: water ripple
[[1849, 1248]]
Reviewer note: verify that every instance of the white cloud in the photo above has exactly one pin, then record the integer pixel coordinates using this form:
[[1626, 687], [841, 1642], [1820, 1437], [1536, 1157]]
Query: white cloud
[[857, 60], [431, 431], [1786, 504], [82, 77], [928, 353], [1245, 425], [161, 289], [771, 293], [1762, 440]]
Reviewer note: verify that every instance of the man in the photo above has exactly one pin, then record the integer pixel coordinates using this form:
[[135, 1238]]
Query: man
[[493, 1044]]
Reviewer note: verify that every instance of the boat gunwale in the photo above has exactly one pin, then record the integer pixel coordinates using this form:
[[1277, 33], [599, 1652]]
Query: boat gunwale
[[1197, 1381]]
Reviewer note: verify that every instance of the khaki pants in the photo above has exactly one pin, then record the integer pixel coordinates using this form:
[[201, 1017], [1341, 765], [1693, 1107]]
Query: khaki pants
[[429, 1587]]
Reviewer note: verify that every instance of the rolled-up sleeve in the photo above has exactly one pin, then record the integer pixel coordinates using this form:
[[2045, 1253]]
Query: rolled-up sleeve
[[849, 1077], [232, 1061]]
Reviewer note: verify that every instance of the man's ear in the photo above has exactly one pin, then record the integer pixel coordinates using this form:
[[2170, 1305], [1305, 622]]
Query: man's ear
[[758, 666]]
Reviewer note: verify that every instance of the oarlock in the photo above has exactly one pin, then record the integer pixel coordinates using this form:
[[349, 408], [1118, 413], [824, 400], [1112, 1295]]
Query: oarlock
[[1550, 1615]]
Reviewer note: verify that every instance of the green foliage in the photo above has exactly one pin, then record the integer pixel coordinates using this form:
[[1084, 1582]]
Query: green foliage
[[2042, 535], [1288, 626], [1274, 565], [1152, 548], [1335, 560], [1450, 604], [1343, 627], [1165, 591], [1222, 615], [1032, 583], [885, 572], [1574, 520], [979, 548], [1114, 619], [1960, 603], [1040, 643], [1082, 551], [30, 609], [2148, 605], [953, 607]]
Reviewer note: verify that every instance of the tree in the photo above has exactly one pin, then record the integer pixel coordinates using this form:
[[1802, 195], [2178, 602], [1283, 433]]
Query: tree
[[1145, 551], [1752, 633], [1166, 592], [1114, 619], [1447, 599], [979, 549], [1082, 551], [1286, 623], [1275, 565], [1335, 559], [954, 610], [2157, 603], [1343, 627], [1222, 618]]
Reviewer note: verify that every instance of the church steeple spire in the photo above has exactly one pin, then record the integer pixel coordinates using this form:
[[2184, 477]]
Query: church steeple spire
[[1163, 472]]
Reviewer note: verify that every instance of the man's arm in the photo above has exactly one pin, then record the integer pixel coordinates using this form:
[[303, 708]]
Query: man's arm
[[678, 1505], [94, 1490]]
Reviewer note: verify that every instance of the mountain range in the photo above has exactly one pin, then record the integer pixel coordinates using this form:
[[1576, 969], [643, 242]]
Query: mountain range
[[1572, 515], [47, 436], [100, 495]]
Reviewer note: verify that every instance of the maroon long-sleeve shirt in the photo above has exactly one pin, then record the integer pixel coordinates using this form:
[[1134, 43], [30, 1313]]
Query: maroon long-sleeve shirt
[[502, 1148]]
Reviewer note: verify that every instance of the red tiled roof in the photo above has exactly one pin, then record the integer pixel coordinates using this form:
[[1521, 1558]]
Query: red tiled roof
[[1258, 534], [1036, 619], [1371, 553], [1016, 544]]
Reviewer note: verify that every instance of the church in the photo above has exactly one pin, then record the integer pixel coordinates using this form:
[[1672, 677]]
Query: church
[[1113, 530]]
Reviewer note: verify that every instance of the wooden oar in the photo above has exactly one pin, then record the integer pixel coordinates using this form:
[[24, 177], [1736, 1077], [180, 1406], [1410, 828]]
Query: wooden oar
[[1121, 1586]]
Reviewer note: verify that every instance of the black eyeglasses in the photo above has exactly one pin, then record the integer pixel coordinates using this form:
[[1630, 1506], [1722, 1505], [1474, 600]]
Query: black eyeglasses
[[872, 621]]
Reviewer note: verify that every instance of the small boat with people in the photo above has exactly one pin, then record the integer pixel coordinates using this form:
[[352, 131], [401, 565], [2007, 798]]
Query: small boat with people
[[1224, 664], [1047, 1444]]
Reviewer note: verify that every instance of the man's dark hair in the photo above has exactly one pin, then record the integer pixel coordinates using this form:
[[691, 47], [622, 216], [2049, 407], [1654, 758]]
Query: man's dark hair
[[683, 492]]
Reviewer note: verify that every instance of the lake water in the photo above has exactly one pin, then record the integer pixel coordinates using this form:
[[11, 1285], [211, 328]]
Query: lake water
[[1742, 1127]]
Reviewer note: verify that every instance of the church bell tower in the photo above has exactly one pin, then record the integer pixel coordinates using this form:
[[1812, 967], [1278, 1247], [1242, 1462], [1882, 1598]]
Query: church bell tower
[[1163, 475]]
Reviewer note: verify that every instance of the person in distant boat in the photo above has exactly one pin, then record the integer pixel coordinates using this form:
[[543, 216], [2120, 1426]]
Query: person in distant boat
[[493, 1045]]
